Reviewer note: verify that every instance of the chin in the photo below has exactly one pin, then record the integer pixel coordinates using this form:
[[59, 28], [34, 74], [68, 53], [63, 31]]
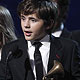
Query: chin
[[28, 38]]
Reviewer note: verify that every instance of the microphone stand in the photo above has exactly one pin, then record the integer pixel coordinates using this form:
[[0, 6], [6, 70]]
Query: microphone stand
[[7, 64]]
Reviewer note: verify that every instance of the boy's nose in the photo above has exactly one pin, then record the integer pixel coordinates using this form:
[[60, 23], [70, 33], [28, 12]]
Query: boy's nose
[[27, 25]]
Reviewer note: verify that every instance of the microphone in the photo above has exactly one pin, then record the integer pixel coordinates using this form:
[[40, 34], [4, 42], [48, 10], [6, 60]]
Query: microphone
[[9, 54], [13, 53]]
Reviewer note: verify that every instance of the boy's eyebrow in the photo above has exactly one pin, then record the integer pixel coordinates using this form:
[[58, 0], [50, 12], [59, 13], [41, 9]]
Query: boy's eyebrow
[[32, 18]]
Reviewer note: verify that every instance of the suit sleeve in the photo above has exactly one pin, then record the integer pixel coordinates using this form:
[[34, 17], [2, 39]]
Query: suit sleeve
[[4, 69], [75, 64]]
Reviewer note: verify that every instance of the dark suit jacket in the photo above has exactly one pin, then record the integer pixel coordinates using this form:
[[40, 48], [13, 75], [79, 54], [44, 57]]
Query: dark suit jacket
[[18, 65], [74, 35]]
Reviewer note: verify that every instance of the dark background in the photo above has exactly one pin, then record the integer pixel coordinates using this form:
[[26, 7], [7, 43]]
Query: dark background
[[72, 22]]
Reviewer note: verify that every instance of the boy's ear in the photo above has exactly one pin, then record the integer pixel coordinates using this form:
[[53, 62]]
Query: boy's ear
[[51, 24]]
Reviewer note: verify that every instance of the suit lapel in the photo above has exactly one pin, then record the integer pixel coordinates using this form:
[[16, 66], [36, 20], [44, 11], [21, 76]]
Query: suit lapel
[[55, 52], [23, 46]]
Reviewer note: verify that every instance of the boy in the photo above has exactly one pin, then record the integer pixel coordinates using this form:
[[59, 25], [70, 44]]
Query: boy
[[60, 29], [19, 57]]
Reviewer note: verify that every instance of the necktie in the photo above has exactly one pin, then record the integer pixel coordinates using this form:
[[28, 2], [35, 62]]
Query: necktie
[[38, 61]]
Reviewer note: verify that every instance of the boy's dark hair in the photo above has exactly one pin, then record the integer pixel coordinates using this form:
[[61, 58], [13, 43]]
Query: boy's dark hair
[[63, 6], [45, 9]]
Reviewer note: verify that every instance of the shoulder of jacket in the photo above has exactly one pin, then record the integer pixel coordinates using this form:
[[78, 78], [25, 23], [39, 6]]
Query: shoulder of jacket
[[66, 41]]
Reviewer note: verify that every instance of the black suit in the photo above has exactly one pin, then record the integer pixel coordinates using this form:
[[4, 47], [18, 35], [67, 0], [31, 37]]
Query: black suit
[[19, 68], [74, 35]]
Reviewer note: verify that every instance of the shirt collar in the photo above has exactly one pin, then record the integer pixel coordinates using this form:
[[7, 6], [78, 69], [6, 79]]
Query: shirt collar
[[45, 41], [59, 31]]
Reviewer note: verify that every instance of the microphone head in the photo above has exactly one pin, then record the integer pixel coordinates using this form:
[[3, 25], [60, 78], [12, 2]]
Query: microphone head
[[17, 52], [14, 52]]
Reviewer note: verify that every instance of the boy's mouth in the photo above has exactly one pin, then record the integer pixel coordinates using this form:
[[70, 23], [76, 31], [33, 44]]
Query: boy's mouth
[[27, 33]]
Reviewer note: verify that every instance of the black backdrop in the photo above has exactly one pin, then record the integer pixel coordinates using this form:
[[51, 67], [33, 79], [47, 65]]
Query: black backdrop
[[72, 22]]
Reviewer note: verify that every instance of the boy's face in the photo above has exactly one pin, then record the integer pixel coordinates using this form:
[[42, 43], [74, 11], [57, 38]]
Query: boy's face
[[33, 27]]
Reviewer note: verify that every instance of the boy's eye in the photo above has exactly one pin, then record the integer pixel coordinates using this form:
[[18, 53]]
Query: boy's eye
[[22, 17], [33, 20]]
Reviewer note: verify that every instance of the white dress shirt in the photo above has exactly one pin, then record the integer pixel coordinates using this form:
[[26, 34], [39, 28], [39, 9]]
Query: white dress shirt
[[59, 31], [44, 49]]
